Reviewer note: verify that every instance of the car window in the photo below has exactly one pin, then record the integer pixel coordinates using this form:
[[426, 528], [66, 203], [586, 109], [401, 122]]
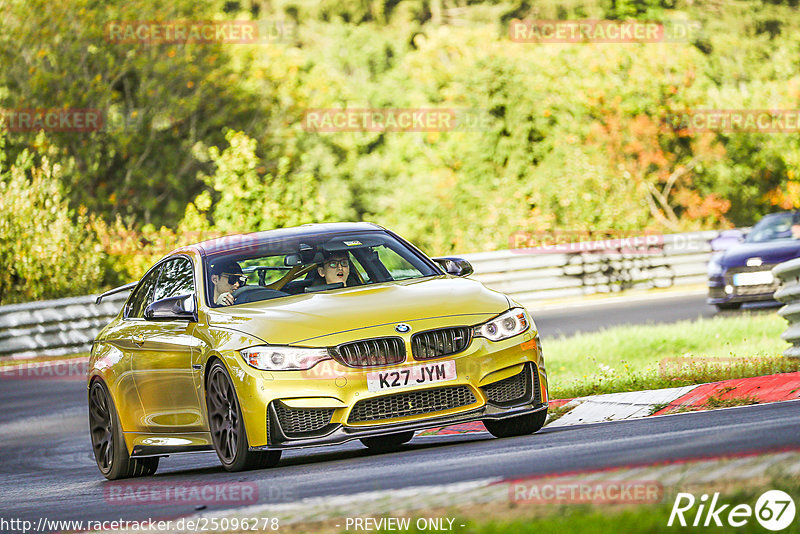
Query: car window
[[142, 296], [398, 267], [264, 270], [772, 228], [290, 266], [176, 278]]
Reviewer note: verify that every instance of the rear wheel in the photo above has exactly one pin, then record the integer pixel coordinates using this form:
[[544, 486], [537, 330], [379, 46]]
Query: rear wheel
[[227, 425], [388, 442], [110, 451], [516, 426]]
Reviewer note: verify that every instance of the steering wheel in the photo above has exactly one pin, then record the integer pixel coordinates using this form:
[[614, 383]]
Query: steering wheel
[[247, 294], [243, 290]]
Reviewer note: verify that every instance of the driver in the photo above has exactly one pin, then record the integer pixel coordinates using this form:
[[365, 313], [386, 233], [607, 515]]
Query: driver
[[335, 268], [226, 277]]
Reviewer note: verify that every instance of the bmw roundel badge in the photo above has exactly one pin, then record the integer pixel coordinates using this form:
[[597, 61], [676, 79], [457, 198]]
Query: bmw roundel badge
[[402, 328]]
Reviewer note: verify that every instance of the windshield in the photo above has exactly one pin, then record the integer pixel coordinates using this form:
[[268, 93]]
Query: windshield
[[772, 228], [309, 264]]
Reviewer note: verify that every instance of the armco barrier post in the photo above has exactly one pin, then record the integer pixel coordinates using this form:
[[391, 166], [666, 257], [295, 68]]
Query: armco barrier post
[[789, 294]]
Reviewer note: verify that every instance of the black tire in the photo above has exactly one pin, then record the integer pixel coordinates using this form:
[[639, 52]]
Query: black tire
[[727, 306], [108, 444], [227, 425], [389, 442], [516, 426]]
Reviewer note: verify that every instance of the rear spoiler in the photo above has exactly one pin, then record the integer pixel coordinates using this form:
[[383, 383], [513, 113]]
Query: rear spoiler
[[120, 289]]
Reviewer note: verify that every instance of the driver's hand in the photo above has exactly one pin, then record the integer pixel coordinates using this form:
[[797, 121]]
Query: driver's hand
[[226, 299]]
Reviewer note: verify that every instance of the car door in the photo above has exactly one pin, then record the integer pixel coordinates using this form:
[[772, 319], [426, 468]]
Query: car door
[[167, 384], [127, 338]]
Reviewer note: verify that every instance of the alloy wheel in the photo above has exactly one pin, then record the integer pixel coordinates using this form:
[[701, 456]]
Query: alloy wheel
[[101, 428], [223, 415]]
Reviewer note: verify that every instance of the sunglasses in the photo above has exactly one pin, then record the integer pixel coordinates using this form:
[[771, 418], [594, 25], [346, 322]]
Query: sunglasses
[[333, 264], [236, 278]]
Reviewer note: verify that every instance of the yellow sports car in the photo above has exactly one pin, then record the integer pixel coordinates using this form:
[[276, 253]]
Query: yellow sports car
[[315, 335]]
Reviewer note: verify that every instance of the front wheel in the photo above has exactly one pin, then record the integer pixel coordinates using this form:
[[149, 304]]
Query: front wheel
[[727, 306], [389, 442], [110, 451], [227, 425], [516, 426]]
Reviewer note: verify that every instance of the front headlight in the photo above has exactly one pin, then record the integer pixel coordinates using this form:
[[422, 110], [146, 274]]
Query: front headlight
[[277, 358], [509, 324]]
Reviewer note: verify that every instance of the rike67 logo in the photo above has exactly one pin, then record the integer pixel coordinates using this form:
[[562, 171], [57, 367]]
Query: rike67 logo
[[774, 510]]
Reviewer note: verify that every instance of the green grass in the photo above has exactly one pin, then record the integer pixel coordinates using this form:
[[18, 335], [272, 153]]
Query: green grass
[[633, 358]]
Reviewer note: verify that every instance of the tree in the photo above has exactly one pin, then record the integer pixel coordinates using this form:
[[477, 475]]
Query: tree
[[44, 253], [157, 100]]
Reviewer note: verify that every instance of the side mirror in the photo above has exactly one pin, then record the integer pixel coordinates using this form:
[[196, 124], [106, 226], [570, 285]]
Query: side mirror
[[179, 308], [455, 266]]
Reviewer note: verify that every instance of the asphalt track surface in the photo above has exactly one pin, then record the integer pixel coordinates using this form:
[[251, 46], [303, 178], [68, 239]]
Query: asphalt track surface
[[46, 467], [568, 319]]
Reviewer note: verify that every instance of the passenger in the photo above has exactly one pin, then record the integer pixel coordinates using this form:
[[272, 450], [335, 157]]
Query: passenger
[[227, 277], [335, 268]]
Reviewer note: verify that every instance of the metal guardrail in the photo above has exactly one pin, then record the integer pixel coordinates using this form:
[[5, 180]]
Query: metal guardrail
[[68, 326], [529, 275], [789, 294], [54, 327]]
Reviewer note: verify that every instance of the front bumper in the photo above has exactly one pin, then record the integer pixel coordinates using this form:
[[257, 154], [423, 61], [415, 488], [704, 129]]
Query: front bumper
[[530, 402], [722, 290], [325, 398]]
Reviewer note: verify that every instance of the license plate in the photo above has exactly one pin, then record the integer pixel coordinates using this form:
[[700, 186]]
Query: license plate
[[753, 279], [411, 376]]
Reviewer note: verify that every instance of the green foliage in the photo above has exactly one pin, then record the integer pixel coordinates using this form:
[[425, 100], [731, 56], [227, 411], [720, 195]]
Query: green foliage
[[44, 252], [250, 198], [158, 100], [210, 137]]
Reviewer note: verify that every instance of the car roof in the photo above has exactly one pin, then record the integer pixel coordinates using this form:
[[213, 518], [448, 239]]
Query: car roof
[[237, 241], [779, 213]]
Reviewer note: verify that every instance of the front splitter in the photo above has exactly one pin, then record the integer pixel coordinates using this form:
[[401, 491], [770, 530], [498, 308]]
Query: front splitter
[[343, 434]]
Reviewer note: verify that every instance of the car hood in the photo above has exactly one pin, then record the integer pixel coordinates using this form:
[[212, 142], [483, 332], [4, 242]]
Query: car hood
[[770, 252], [306, 318]]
